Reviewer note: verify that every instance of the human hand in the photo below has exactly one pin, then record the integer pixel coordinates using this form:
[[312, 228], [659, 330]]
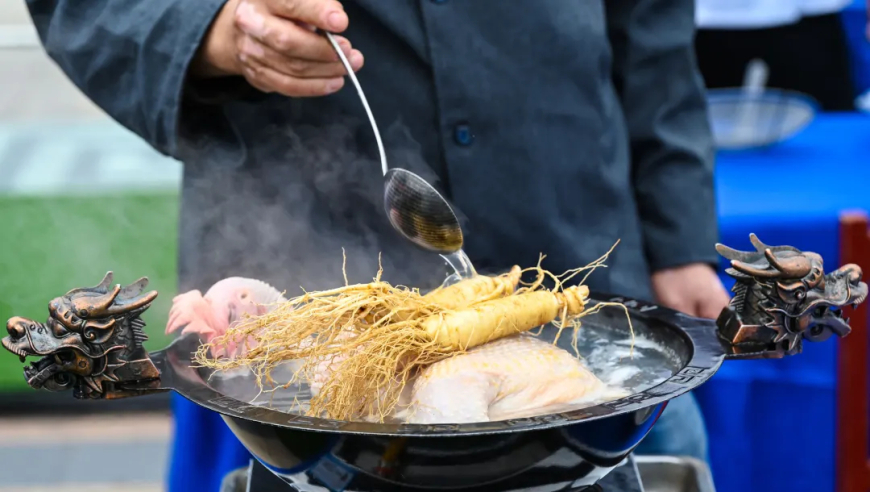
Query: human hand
[[273, 44], [694, 289]]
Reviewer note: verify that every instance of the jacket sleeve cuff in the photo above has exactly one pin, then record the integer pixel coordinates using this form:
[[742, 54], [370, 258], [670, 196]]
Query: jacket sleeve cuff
[[219, 91], [666, 250], [188, 95]]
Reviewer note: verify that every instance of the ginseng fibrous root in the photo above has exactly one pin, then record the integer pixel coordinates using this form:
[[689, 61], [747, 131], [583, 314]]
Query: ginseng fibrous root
[[362, 343]]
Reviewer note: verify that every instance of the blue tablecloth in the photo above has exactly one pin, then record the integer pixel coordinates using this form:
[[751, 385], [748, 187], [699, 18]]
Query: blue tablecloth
[[771, 423]]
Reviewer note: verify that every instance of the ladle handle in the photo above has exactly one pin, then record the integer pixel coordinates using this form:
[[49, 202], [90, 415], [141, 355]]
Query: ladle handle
[[362, 97], [749, 110]]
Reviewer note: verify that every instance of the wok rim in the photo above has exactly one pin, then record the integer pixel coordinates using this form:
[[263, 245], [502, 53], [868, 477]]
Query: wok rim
[[707, 355]]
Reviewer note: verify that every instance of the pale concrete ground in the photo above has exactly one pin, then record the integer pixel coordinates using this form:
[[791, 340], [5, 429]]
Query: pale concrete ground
[[49, 133], [87, 453]]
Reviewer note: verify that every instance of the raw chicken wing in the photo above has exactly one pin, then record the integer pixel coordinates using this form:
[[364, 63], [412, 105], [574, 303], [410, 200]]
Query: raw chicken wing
[[225, 303]]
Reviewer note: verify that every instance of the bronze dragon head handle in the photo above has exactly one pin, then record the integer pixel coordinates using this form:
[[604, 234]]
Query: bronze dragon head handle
[[782, 296], [91, 342]]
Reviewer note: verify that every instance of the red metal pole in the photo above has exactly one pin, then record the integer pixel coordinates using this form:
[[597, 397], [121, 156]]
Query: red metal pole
[[853, 429]]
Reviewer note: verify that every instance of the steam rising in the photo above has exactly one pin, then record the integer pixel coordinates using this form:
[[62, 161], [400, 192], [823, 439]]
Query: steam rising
[[301, 196]]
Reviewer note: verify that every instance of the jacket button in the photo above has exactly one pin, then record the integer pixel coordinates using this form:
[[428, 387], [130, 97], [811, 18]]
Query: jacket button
[[462, 134]]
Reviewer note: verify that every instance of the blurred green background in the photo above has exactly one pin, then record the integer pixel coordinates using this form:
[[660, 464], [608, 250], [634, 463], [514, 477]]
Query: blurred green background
[[53, 244], [79, 196], [78, 200]]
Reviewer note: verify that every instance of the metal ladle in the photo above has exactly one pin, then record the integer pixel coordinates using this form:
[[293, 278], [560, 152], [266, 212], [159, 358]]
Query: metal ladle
[[413, 207]]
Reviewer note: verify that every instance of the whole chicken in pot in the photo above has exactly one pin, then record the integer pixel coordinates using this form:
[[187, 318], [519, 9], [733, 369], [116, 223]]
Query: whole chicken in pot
[[513, 377]]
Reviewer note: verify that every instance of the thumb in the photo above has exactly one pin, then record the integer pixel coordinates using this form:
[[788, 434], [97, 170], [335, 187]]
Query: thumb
[[708, 309], [713, 304], [328, 15]]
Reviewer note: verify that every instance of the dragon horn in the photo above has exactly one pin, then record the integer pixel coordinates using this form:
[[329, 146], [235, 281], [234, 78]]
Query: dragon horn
[[754, 271], [102, 287], [761, 247], [733, 254], [134, 289], [101, 304], [794, 267], [128, 305]]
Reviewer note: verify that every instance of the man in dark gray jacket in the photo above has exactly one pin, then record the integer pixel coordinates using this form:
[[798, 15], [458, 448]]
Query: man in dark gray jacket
[[554, 126]]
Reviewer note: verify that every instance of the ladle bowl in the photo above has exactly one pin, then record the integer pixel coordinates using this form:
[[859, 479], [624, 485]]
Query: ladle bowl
[[420, 213], [414, 208]]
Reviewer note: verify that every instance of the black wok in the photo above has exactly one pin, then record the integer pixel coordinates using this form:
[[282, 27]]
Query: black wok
[[91, 343]]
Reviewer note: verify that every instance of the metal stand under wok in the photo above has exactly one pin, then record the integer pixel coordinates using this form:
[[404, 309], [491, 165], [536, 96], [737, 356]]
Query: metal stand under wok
[[644, 474], [91, 344]]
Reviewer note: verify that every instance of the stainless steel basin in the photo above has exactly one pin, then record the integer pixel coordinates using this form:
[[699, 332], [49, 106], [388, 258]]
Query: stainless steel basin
[[674, 474]]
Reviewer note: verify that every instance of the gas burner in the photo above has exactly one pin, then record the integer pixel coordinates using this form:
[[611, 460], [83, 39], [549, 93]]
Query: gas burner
[[643, 474]]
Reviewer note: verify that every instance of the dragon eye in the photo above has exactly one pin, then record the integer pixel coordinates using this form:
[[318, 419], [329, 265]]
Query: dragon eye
[[59, 330], [796, 290], [83, 313]]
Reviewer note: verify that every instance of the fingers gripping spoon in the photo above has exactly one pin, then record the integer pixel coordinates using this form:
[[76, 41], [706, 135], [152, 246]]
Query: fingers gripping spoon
[[413, 207]]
